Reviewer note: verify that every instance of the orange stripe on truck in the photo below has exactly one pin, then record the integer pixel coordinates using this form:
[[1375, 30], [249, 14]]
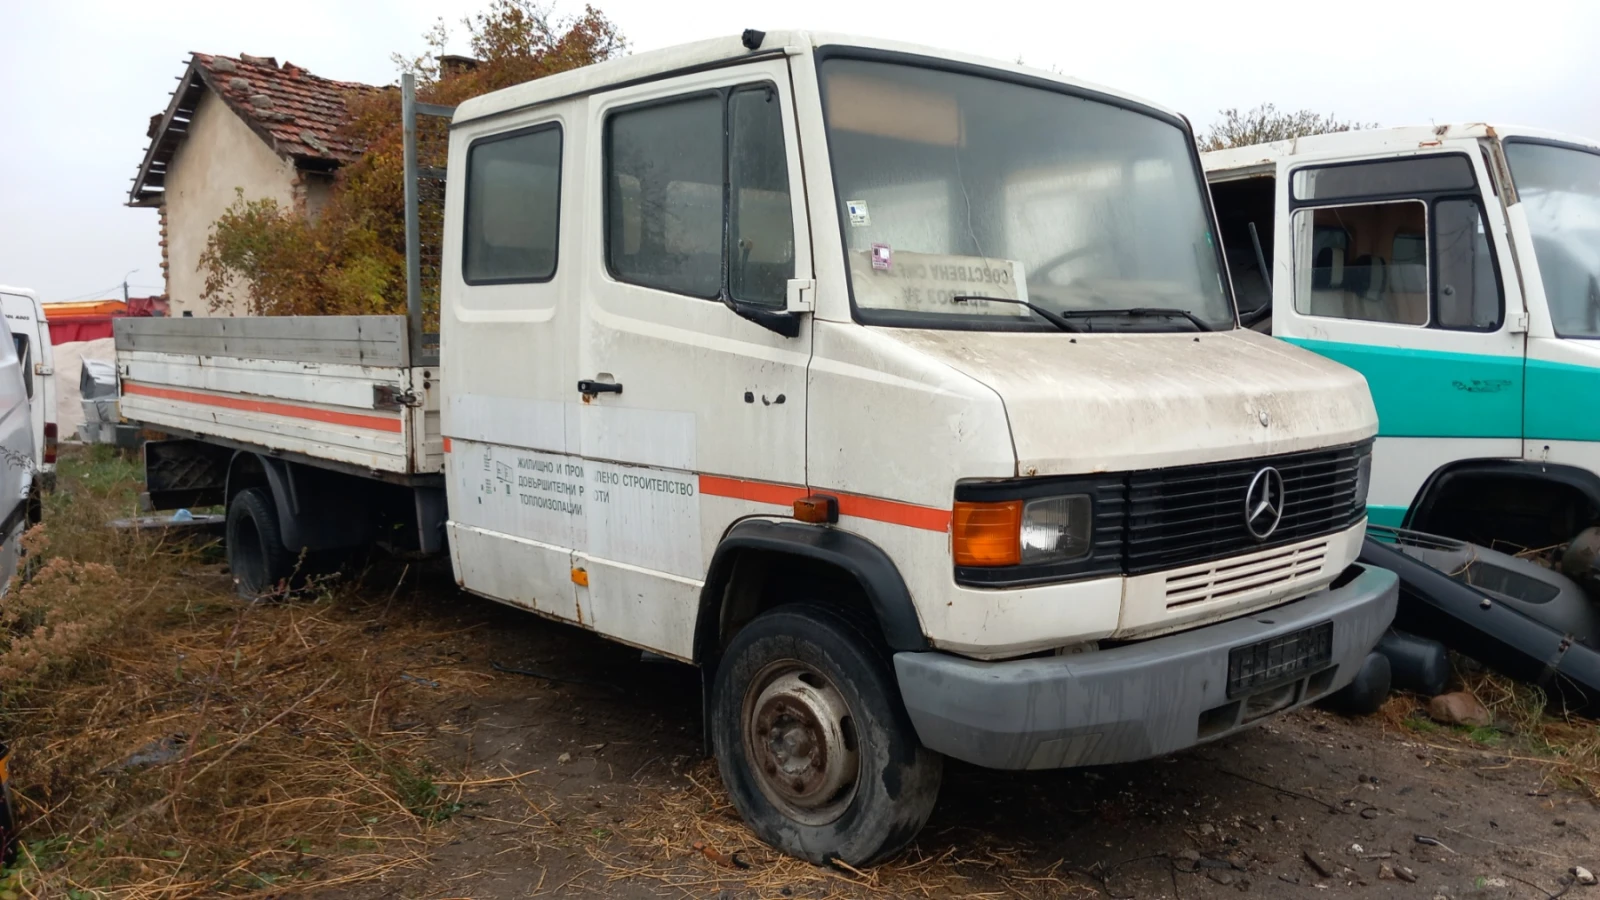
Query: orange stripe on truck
[[754, 491], [894, 512], [267, 407]]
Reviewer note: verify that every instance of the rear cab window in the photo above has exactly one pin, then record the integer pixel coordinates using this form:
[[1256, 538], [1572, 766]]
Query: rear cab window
[[513, 207]]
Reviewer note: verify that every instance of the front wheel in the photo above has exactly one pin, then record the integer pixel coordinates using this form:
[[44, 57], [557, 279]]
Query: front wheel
[[813, 742]]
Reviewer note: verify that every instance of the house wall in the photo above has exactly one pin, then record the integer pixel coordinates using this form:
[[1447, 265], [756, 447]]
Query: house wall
[[219, 156]]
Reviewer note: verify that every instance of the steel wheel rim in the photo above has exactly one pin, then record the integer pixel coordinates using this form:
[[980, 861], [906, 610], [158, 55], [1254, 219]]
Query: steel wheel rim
[[800, 742]]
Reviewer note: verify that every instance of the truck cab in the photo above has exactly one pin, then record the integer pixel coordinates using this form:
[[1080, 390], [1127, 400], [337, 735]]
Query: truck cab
[[1457, 267], [755, 351]]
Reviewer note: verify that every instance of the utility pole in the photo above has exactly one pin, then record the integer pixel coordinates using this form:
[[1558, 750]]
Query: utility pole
[[125, 286]]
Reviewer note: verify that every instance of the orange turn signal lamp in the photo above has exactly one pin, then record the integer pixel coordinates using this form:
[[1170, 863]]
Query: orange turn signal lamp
[[986, 534], [818, 509]]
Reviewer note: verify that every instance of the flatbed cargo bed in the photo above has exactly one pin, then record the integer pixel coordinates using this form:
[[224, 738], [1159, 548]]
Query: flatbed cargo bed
[[344, 390]]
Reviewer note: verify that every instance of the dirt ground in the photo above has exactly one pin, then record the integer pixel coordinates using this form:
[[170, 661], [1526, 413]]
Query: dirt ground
[[602, 790], [388, 736]]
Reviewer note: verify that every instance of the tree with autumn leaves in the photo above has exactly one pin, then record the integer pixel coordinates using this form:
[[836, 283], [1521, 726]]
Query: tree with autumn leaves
[[350, 258]]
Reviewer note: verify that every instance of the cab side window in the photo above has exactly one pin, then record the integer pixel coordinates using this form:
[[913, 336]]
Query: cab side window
[[25, 358], [513, 207], [1355, 271], [1412, 251], [697, 196], [1469, 288]]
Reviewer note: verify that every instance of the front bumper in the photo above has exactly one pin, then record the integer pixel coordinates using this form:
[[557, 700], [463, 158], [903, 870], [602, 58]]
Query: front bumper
[[1138, 700]]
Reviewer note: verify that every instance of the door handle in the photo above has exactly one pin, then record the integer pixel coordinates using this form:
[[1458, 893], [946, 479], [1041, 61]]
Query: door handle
[[588, 386]]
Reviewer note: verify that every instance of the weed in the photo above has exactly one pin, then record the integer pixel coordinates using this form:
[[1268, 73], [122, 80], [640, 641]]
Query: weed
[[1422, 725], [419, 793], [1483, 735]]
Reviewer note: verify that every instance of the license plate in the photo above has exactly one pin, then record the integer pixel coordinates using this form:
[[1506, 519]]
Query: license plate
[[1275, 661]]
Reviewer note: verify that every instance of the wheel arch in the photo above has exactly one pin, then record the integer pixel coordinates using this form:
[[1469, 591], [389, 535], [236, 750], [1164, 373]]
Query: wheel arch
[[247, 470], [318, 509], [1561, 488], [735, 572]]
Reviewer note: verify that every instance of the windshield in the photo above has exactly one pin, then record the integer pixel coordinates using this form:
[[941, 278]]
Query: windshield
[[958, 186], [1559, 188]]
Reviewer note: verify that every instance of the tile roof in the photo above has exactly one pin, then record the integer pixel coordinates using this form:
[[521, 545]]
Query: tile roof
[[299, 115]]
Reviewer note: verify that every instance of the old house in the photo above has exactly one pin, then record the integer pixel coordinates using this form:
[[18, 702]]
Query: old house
[[238, 123]]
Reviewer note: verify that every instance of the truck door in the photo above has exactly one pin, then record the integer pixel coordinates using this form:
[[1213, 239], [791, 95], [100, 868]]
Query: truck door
[[1397, 272], [685, 407], [509, 318]]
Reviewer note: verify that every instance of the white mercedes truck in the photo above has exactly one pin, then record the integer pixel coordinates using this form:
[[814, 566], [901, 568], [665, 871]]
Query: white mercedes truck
[[902, 392]]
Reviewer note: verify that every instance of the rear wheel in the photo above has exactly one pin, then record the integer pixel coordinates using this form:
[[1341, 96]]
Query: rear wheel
[[812, 741], [256, 555]]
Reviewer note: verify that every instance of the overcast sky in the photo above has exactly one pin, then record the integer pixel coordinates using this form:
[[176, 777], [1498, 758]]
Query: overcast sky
[[81, 78]]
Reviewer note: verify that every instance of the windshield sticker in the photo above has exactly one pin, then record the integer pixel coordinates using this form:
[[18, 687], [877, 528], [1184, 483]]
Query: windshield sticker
[[931, 282], [859, 216]]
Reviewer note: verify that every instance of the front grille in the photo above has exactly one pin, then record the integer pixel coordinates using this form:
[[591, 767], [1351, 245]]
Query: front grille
[[1232, 578], [1192, 514]]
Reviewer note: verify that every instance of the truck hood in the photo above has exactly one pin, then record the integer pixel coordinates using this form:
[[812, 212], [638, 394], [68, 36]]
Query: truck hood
[[1082, 403]]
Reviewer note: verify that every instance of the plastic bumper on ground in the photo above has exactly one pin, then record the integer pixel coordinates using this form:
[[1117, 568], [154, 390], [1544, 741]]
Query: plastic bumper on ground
[[1138, 700]]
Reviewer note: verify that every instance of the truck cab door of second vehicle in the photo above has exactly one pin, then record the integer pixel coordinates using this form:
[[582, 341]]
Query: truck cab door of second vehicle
[[1398, 266]]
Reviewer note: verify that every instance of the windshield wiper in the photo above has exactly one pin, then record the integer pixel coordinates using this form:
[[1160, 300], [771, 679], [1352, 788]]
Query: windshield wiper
[[1045, 314], [1136, 312]]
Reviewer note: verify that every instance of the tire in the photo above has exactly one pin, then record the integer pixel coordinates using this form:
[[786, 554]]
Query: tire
[[816, 681], [256, 555]]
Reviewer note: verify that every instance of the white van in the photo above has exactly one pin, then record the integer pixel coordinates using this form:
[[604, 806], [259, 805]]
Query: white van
[[30, 336], [19, 469], [899, 390]]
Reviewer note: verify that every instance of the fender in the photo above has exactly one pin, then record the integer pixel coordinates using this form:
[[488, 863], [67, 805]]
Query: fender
[[276, 473], [863, 560], [1583, 481], [317, 509]]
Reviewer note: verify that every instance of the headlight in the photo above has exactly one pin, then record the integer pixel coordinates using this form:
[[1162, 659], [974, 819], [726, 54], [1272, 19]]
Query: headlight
[[1013, 532], [1056, 529], [1363, 480]]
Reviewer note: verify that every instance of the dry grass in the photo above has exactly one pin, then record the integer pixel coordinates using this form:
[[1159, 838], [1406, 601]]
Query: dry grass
[[171, 742], [685, 838], [1528, 728]]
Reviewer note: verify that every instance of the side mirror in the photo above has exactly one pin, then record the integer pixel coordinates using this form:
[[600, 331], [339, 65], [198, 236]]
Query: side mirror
[[784, 320]]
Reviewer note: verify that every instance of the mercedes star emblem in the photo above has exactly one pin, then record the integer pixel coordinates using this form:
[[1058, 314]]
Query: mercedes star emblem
[[1263, 503]]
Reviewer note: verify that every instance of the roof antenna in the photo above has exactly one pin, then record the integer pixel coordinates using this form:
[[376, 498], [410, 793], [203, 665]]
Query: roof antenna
[[752, 38]]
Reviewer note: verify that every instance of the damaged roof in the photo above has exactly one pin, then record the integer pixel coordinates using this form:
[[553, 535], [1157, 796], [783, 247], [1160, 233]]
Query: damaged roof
[[299, 115]]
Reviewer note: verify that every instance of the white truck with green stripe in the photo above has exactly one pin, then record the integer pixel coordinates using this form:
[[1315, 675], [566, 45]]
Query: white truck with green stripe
[[1457, 267]]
